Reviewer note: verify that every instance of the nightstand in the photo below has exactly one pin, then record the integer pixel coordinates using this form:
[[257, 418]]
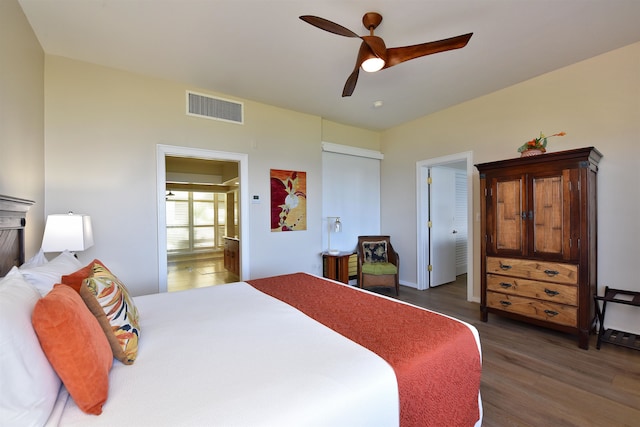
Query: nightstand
[[336, 266]]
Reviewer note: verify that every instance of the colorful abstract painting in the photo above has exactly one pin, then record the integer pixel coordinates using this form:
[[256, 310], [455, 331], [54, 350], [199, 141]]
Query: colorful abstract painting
[[288, 200]]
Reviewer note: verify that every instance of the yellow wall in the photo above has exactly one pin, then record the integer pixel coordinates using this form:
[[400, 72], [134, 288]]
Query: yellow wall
[[22, 118], [597, 102], [338, 133]]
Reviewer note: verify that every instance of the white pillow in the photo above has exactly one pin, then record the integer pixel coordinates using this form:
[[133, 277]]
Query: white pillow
[[47, 275], [29, 385], [35, 261]]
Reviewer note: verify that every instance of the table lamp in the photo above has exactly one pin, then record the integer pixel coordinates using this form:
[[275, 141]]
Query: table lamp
[[70, 232]]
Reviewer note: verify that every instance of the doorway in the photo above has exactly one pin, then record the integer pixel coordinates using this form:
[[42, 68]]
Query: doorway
[[428, 255], [205, 187], [201, 215]]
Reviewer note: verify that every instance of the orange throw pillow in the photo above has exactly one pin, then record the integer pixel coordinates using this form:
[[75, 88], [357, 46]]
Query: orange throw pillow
[[75, 345], [75, 279]]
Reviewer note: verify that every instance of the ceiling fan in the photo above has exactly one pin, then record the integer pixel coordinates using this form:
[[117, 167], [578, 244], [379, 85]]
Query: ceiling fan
[[374, 55]]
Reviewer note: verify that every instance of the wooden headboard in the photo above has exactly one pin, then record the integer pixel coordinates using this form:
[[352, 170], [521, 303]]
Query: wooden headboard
[[13, 219]]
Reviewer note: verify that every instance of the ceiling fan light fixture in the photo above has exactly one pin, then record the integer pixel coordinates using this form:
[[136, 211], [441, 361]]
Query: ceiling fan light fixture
[[373, 64], [373, 54]]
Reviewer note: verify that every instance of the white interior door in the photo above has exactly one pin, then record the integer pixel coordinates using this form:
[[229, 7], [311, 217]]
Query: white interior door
[[442, 233], [460, 161]]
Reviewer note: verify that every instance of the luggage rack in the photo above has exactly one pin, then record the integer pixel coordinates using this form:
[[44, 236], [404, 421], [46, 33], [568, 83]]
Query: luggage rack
[[613, 336]]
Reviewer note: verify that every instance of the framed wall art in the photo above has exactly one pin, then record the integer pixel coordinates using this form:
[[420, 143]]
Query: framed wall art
[[288, 200]]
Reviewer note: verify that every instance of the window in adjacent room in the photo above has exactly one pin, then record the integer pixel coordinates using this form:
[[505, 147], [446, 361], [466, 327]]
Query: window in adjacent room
[[195, 221]]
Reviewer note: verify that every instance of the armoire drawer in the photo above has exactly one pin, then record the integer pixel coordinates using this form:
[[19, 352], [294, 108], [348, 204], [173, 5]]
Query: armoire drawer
[[535, 270], [554, 292], [537, 309]]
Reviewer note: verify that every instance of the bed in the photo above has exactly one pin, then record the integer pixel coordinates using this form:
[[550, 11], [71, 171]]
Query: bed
[[290, 350]]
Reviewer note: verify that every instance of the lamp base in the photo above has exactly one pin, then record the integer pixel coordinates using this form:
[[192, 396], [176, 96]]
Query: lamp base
[[333, 251]]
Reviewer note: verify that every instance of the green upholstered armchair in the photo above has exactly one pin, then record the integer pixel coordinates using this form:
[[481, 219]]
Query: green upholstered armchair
[[378, 263]]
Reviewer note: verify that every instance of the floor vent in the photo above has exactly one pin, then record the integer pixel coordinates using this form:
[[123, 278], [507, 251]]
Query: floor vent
[[214, 108]]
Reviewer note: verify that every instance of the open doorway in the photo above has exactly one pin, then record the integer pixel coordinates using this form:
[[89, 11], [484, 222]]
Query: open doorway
[[201, 209], [458, 231], [201, 219]]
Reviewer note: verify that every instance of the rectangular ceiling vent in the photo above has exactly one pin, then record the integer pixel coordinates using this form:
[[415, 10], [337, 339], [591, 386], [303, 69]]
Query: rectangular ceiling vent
[[214, 108]]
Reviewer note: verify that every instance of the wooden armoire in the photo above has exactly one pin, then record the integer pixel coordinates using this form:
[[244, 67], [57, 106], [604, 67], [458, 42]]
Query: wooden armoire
[[539, 249]]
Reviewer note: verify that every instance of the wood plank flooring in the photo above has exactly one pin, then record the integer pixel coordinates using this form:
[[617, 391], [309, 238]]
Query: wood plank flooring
[[196, 272], [536, 377]]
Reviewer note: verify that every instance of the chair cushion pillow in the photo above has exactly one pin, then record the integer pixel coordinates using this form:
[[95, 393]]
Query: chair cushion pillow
[[375, 251], [379, 268]]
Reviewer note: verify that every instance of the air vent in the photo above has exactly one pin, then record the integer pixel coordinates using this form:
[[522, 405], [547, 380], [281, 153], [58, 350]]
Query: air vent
[[214, 108]]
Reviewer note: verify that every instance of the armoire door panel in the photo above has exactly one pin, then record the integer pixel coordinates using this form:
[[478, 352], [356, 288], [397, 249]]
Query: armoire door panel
[[548, 219], [509, 221]]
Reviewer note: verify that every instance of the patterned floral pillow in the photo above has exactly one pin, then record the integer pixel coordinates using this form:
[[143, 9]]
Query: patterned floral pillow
[[375, 251], [109, 300]]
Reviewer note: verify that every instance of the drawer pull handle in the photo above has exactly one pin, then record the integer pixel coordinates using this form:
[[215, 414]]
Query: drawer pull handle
[[551, 313], [505, 285], [552, 272], [505, 266], [505, 303], [551, 293]]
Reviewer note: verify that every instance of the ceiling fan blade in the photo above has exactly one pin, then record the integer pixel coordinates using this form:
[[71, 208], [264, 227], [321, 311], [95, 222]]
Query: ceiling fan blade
[[376, 44], [325, 24], [396, 55], [350, 85]]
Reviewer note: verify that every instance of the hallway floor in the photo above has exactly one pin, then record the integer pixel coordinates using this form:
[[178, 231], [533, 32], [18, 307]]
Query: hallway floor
[[198, 272]]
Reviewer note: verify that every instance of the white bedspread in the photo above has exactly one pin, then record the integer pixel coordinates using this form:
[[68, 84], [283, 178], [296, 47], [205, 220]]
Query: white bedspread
[[232, 356]]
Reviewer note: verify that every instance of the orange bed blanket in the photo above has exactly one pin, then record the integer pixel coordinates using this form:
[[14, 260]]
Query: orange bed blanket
[[436, 359]]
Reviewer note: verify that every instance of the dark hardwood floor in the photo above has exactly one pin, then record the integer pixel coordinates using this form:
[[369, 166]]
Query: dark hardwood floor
[[532, 376]]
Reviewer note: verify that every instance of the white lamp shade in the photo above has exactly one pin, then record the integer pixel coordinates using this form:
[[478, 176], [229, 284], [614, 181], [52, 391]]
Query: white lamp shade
[[71, 232]]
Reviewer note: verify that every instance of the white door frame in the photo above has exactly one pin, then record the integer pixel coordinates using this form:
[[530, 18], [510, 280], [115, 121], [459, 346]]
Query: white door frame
[[168, 150], [422, 216]]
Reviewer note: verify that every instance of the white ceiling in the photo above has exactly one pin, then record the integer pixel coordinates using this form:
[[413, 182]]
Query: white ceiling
[[260, 50]]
